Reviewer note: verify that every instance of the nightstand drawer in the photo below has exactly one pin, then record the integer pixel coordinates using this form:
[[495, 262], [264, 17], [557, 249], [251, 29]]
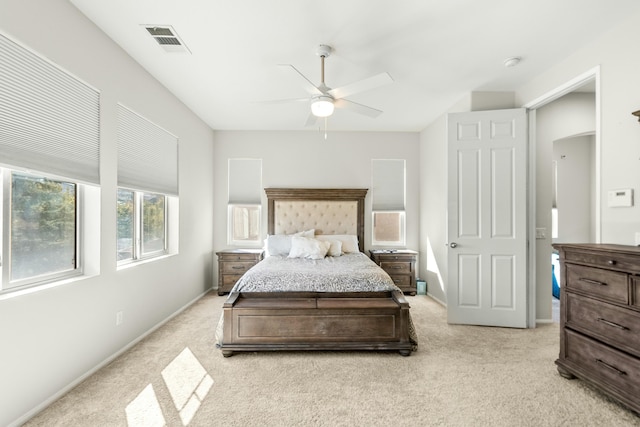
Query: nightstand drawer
[[237, 267], [396, 267], [237, 257], [606, 284], [228, 280], [401, 281]]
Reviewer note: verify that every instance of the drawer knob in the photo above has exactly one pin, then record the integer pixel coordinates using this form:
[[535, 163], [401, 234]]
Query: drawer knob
[[610, 367], [613, 324], [611, 262]]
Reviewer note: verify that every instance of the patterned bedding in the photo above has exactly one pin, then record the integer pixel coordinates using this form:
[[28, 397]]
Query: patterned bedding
[[353, 272]]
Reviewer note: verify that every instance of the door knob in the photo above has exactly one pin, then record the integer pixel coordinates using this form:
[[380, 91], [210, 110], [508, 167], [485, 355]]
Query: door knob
[[453, 245]]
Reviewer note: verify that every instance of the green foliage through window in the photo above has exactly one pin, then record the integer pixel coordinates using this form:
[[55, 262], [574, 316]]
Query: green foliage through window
[[43, 226]]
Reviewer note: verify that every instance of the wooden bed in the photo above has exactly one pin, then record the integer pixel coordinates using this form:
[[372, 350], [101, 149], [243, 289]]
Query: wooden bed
[[272, 321]]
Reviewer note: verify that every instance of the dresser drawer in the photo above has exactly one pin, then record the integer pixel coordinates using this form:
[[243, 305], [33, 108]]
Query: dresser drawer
[[635, 292], [616, 261], [616, 326], [610, 285], [236, 267], [603, 363], [396, 267]]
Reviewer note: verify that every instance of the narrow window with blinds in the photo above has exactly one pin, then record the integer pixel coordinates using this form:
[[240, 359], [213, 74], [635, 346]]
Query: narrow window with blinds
[[244, 215], [388, 202], [147, 188], [49, 149]]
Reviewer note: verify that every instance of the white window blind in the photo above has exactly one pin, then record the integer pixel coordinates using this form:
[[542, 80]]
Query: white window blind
[[388, 185], [147, 155], [49, 120], [245, 181]]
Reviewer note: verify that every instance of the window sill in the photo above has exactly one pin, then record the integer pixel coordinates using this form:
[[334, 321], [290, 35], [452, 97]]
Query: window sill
[[11, 293], [134, 263]]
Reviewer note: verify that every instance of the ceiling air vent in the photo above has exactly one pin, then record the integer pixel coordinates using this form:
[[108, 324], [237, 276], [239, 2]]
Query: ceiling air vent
[[167, 38]]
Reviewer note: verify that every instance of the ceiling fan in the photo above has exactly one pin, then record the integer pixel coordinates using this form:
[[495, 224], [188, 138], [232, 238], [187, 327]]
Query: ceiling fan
[[324, 99]]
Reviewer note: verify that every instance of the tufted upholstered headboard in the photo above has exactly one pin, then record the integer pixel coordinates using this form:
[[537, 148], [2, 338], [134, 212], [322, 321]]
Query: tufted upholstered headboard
[[327, 210]]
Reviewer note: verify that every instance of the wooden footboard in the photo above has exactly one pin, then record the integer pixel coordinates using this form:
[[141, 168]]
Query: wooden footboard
[[316, 321]]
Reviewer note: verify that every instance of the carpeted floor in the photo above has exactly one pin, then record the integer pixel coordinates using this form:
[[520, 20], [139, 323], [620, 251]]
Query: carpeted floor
[[460, 376]]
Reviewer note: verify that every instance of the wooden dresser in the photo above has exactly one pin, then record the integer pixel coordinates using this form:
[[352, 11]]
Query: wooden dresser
[[401, 266], [232, 264], [600, 318]]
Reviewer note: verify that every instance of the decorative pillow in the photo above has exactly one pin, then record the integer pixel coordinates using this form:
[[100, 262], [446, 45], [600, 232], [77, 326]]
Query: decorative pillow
[[335, 249], [306, 233], [306, 247], [280, 244], [349, 241]]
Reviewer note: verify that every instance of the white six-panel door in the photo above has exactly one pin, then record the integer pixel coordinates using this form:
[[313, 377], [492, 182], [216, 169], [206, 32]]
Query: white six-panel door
[[487, 198]]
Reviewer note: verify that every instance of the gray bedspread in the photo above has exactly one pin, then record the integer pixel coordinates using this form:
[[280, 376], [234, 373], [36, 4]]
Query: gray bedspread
[[353, 272]]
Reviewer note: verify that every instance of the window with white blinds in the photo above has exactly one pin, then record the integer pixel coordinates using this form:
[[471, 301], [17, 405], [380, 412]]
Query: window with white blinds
[[245, 181], [49, 120], [388, 184], [147, 155]]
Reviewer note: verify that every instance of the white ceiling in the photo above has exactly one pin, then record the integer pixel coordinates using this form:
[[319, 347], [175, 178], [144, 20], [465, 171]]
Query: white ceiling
[[435, 50]]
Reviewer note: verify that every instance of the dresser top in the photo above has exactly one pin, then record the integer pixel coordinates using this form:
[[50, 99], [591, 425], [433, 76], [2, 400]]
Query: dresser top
[[599, 247]]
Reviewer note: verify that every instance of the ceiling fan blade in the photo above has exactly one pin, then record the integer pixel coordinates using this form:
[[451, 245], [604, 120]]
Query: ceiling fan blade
[[361, 86], [311, 120], [357, 108], [309, 86]]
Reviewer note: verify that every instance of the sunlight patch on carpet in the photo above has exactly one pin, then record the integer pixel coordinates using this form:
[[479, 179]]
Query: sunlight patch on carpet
[[144, 410], [188, 383]]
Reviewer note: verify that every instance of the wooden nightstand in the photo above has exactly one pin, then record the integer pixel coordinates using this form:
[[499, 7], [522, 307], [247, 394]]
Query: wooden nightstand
[[401, 266], [233, 263]]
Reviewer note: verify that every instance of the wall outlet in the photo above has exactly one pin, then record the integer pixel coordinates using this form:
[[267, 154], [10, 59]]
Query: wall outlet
[[541, 233], [119, 318]]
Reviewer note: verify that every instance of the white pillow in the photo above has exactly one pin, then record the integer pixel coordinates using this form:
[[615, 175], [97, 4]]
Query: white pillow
[[349, 241], [335, 249], [280, 244], [306, 247], [306, 233]]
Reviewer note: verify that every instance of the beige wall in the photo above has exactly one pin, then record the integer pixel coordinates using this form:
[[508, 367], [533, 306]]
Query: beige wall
[[53, 337], [306, 159]]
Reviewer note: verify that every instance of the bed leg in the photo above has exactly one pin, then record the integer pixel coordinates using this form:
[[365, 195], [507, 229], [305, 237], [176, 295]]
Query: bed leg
[[227, 353], [405, 353]]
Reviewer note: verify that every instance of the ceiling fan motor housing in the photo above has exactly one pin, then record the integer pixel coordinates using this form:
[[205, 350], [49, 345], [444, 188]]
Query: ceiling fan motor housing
[[324, 50]]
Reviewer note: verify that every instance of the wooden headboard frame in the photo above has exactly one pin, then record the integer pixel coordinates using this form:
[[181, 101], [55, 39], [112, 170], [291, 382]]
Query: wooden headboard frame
[[317, 194]]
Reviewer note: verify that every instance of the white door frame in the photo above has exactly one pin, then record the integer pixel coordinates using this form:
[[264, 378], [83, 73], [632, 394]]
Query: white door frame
[[532, 106]]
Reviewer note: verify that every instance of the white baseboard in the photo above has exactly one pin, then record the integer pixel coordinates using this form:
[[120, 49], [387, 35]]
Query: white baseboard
[[442, 303], [26, 417]]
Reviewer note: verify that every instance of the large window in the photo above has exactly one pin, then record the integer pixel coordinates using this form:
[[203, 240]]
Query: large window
[[147, 199], [142, 225], [50, 127], [41, 221]]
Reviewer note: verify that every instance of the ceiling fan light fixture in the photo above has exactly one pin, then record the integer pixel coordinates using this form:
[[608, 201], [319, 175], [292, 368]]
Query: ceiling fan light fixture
[[322, 106]]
